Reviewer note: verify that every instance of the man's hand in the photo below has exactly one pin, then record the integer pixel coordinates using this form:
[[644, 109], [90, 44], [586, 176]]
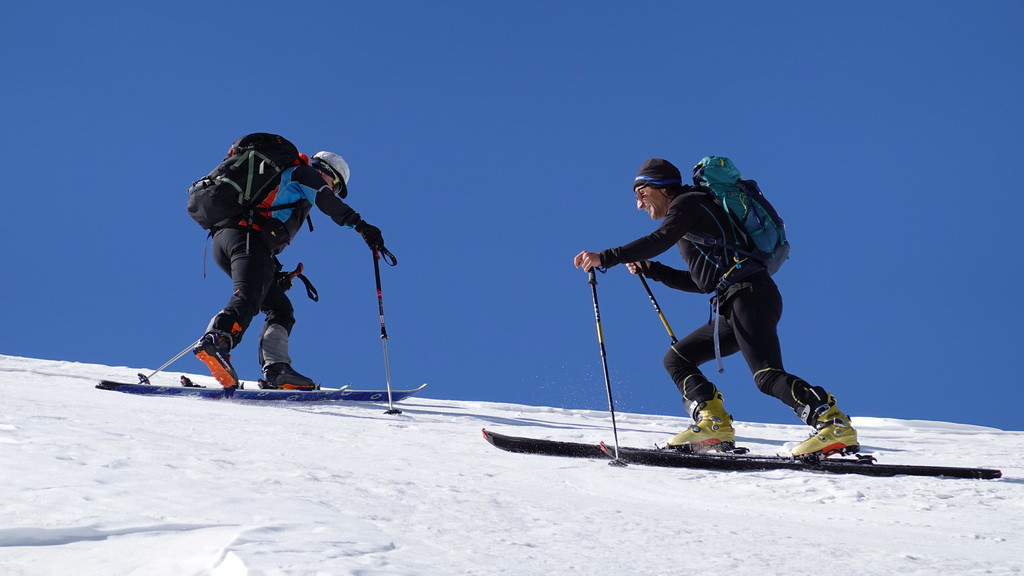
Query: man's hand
[[638, 267], [372, 236], [587, 260]]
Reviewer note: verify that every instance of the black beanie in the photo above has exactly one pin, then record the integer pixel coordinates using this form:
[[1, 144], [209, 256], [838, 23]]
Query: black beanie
[[658, 172]]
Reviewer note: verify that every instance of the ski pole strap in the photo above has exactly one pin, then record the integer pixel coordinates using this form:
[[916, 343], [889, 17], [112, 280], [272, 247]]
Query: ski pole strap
[[311, 292], [285, 280], [388, 257]]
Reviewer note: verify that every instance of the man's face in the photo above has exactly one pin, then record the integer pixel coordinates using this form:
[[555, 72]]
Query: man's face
[[327, 178], [332, 179], [654, 200]]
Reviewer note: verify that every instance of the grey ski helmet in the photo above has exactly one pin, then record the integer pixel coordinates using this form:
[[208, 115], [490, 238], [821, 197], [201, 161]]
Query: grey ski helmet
[[334, 166]]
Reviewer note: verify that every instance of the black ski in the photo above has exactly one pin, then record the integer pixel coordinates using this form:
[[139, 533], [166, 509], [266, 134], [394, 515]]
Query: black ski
[[730, 461], [546, 447], [865, 465]]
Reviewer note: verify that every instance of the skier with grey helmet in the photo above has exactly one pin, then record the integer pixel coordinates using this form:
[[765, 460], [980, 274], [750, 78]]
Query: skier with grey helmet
[[246, 251]]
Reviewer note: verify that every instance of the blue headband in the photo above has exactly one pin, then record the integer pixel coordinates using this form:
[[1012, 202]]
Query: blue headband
[[657, 182]]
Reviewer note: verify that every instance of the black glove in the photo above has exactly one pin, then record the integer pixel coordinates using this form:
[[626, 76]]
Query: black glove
[[372, 236], [283, 280]]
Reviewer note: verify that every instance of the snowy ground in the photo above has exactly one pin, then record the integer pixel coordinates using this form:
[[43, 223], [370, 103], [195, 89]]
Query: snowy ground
[[99, 482]]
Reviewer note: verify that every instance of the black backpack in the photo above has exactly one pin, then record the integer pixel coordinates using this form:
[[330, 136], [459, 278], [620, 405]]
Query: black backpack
[[230, 193]]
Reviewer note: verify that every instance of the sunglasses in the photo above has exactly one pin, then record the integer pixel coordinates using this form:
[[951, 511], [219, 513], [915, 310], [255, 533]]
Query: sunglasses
[[640, 190], [337, 182]]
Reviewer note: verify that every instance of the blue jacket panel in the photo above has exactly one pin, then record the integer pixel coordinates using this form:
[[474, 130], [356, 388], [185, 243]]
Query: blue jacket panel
[[301, 188]]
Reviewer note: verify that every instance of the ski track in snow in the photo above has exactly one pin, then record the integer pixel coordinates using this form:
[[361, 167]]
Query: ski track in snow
[[99, 482]]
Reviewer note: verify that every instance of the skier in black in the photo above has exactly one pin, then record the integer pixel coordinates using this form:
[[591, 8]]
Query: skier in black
[[749, 307], [252, 265]]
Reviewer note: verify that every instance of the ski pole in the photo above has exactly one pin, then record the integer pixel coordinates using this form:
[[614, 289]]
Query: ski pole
[[656, 307], [604, 363], [143, 379], [383, 328]]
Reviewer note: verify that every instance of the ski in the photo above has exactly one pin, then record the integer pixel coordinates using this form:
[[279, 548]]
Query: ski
[[258, 394], [539, 446], [864, 465], [736, 460]]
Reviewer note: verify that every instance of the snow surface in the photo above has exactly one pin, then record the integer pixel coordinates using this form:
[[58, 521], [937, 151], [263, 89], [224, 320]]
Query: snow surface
[[99, 482]]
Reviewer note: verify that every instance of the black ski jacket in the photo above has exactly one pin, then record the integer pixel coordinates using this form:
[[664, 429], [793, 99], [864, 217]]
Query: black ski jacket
[[300, 189], [305, 183], [693, 211]]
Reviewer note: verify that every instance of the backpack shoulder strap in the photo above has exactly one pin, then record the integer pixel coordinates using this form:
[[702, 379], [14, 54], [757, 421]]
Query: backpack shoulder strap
[[717, 209], [721, 240]]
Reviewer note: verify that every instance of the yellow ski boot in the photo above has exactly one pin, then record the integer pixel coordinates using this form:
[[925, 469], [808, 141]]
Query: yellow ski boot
[[712, 429], [833, 433]]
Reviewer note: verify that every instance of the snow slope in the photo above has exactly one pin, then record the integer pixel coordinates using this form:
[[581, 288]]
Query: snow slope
[[98, 482]]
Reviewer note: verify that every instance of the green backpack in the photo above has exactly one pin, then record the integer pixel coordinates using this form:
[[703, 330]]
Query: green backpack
[[748, 210]]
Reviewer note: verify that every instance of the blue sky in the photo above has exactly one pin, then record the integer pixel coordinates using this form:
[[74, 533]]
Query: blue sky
[[491, 142]]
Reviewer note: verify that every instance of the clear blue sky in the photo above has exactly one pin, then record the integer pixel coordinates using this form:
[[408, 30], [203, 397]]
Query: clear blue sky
[[491, 142]]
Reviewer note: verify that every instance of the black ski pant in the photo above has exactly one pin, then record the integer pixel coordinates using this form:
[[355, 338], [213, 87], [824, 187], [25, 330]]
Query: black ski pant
[[251, 265], [750, 314]]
